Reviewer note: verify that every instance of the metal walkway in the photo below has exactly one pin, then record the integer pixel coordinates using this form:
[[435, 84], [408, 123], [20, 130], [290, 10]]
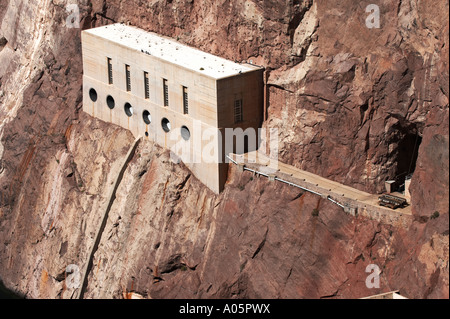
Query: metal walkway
[[352, 200], [286, 182]]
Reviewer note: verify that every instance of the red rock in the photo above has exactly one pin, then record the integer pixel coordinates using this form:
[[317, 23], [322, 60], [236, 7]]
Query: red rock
[[344, 98]]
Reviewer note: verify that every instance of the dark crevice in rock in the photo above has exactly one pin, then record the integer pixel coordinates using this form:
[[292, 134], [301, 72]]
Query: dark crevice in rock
[[261, 244], [128, 159], [172, 264], [181, 185], [3, 42], [279, 87], [297, 196], [297, 18], [175, 262]]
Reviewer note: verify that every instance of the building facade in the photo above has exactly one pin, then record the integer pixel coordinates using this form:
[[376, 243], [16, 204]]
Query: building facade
[[177, 96]]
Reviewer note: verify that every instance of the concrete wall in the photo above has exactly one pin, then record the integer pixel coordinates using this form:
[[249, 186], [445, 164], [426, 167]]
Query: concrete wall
[[202, 89], [211, 102], [250, 88]]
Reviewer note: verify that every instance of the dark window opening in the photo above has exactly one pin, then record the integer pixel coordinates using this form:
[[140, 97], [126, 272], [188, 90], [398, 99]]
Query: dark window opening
[[128, 77], [185, 100], [110, 72], [146, 86], [245, 143], [165, 124], [166, 92], [147, 117], [128, 109], [238, 117], [185, 133], [110, 102], [93, 95]]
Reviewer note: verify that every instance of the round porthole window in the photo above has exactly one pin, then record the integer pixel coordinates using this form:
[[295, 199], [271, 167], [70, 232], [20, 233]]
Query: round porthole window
[[110, 102], [147, 117], [165, 124], [128, 109], [185, 133], [93, 95]]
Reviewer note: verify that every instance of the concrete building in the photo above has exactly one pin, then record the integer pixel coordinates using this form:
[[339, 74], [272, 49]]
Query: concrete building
[[177, 96]]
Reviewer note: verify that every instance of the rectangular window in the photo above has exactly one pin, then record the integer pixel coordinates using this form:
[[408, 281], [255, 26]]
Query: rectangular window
[[128, 77], [185, 100], [238, 116], [166, 92], [110, 73], [146, 86]]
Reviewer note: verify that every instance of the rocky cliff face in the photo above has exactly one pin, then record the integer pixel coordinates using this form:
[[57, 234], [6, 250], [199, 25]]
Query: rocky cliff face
[[353, 104]]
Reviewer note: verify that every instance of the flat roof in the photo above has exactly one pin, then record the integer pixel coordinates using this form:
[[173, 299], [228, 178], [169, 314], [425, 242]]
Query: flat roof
[[171, 50]]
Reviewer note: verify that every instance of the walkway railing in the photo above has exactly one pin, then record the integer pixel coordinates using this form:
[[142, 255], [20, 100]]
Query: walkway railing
[[289, 183]]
